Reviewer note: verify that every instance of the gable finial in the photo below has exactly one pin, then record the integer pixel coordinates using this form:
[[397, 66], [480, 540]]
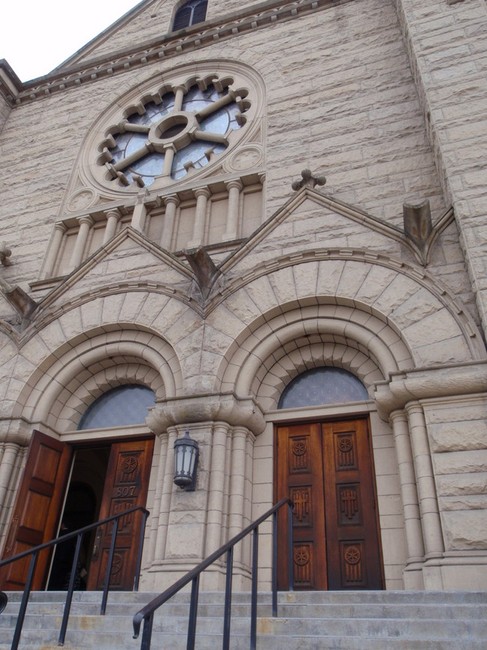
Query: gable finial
[[308, 180], [5, 254]]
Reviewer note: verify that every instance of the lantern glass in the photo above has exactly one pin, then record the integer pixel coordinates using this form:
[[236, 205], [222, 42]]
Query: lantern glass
[[185, 461]]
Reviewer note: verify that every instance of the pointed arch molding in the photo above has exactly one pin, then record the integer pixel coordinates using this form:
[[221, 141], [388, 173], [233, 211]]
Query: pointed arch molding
[[67, 381]]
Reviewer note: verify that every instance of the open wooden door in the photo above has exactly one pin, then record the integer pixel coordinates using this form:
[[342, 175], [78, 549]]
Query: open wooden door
[[327, 470], [37, 509], [126, 486]]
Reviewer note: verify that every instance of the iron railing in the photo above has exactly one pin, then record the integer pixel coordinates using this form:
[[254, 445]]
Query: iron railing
[[34, 552], [146, 614]]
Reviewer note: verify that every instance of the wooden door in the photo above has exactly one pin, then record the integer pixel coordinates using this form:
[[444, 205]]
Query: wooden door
[[126, 486], [36, 512], [327, 470]]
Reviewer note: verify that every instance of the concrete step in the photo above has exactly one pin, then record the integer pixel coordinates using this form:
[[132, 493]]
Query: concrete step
[[307, 620]]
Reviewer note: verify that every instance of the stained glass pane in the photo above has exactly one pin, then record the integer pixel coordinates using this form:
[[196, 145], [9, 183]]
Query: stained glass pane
[[118, 407], [326, 385]]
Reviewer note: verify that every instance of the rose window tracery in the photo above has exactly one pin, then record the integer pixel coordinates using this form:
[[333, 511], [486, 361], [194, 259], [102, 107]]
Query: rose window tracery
[[173, 131]]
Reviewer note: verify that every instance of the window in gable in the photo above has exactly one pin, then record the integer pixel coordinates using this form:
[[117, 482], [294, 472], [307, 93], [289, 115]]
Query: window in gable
[[190, 13]]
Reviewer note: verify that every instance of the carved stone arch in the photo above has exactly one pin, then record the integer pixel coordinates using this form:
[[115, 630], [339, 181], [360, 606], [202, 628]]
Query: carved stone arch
[[270, 383], [81, 369], [298, 335], [421, 322]]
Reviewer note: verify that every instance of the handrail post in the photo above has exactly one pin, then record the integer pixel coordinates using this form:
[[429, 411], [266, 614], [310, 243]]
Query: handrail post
[[69, 595], [146, 614], [147, 632], [290, 546], [25, 600], [106, 586], [253, 600], [274, 564], [193, 613], [228, 600], [138, 565]]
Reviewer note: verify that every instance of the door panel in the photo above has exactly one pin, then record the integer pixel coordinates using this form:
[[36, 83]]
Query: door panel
[[326, 469], [300, 476], [353, 552], [37, 508], [125, 487]]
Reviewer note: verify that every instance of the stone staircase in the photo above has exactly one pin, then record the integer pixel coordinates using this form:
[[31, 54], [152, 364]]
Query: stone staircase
[[379, 620]]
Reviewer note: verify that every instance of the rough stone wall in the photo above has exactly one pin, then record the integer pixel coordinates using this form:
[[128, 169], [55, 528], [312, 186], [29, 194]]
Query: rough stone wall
[[458, 441], [447, 45], [346, 107]]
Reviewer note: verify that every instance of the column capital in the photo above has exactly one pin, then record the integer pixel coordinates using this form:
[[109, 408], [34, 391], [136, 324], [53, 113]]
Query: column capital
[[225, 407], [113, 213], [235, 183], [172, 199], [86, 219], [202, 191]]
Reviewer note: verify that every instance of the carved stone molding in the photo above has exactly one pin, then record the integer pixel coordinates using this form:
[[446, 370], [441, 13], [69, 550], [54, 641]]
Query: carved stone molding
[[170, 45], [448, 381], [224, 407]]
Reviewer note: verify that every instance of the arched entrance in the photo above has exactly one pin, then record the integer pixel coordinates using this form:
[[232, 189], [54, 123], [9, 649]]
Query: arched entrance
[[326, 468], [67, 486]]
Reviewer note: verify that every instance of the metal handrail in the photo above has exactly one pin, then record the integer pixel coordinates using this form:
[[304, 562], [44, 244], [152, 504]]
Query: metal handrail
[[34, 552], [146, 614]]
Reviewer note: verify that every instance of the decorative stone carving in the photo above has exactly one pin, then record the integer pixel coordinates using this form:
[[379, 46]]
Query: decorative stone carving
[[204, 269], [308, 180], [207, 408], [5, 254]]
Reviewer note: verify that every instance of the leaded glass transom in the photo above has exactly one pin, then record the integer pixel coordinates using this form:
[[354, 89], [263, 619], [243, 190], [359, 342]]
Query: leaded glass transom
[[119, 406], [325, 385], [172, 133]]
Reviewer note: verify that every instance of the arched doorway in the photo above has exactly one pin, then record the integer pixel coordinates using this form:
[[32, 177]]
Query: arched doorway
[[67, 486], [326, 468]]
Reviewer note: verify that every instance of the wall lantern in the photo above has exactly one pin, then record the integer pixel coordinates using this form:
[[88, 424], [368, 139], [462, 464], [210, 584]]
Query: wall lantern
[[186, 454]]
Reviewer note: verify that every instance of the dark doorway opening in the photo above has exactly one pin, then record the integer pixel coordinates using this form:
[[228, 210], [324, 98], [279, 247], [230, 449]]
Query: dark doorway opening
[[81, 508]]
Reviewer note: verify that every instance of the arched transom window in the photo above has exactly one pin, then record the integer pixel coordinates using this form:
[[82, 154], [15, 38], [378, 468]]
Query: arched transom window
[[119, 406], [325, 385]]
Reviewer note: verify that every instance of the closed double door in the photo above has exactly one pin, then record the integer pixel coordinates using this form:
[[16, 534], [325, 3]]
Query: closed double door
[[326, 469]]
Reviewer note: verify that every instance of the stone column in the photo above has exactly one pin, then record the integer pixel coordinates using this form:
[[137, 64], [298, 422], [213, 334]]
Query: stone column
[[171, 203], [234, 188], [54, 249], [113, 217], [166, 495], [202, 195], [412, 518], [215, 535], [428, 504], [237, 486], [7, 467], [85, 223]]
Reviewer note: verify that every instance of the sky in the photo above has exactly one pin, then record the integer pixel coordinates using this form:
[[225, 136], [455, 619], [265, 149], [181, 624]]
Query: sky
[[37, 35]]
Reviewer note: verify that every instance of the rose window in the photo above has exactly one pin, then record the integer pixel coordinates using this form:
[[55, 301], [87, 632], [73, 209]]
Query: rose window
[[172, 133]]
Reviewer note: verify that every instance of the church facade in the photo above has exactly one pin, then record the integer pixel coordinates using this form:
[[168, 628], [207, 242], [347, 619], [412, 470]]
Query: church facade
[[264, 225]]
